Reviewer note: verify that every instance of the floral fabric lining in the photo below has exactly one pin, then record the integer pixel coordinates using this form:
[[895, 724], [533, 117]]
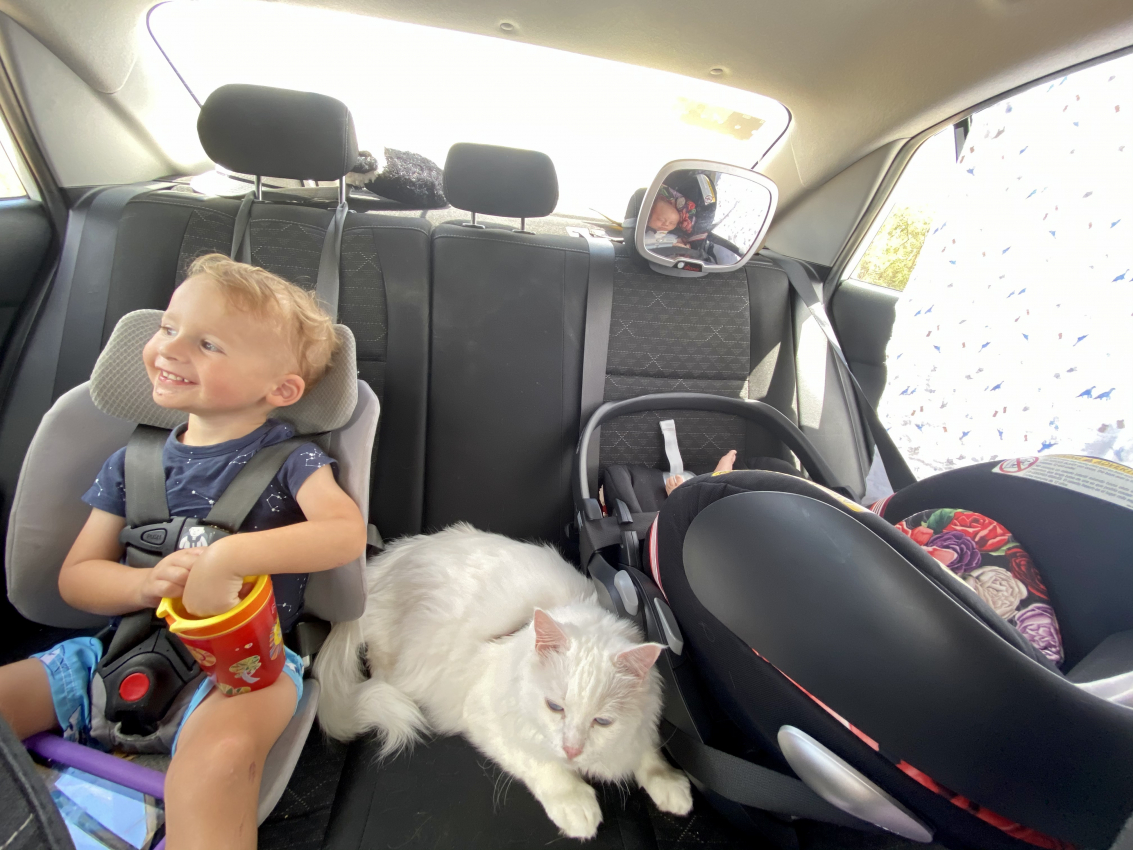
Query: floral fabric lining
[[985, 556]]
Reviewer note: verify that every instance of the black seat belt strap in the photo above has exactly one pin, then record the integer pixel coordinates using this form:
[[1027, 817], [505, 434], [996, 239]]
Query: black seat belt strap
[[896, 468], [241, 237], [93, 239], [326, 284], [241, 495], [144, 474], [750, 784], [596, 343]]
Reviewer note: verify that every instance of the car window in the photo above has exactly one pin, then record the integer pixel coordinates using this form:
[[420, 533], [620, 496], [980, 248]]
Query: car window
[[1014, 330], [608, 126], [10, 184]]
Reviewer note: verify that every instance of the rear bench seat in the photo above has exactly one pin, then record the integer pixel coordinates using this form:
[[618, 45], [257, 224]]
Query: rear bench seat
[[481, 410]]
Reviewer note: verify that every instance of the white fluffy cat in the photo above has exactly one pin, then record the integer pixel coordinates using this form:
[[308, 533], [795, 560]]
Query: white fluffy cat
[[505, 643]]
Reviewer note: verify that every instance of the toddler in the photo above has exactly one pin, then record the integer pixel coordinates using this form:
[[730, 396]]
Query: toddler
[[235, 344]]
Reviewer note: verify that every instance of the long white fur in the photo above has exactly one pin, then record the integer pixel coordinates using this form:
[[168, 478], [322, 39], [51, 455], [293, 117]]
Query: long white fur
[[450, 637]]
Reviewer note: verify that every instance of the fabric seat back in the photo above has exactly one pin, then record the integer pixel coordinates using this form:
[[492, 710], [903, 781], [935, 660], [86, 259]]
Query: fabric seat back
[[507, 332]]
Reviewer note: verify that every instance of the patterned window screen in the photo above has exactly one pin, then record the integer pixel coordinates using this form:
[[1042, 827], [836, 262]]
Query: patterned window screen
[[1014, 333]]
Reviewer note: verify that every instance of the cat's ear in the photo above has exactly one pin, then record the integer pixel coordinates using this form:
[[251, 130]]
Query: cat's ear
[[549, 636], [639, 660]]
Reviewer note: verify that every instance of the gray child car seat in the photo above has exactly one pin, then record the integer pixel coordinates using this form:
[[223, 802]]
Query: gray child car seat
[[94, 419]]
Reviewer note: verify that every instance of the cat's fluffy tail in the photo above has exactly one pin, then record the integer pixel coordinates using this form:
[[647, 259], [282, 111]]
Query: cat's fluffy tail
[[351, 704]]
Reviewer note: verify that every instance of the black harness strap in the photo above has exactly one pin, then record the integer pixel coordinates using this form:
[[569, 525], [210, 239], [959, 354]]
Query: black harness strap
[[145, 487], [241, 495], [150, 533]]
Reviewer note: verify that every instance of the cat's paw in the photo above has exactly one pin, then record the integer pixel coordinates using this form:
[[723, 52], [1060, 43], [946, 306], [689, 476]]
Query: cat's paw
[[575, 812], [670, 790]]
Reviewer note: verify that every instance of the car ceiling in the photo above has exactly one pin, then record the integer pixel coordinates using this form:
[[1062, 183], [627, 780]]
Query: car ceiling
[[857, 75]]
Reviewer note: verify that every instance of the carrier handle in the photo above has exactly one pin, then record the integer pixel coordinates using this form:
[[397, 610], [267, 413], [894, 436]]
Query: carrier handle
[[755, 411]]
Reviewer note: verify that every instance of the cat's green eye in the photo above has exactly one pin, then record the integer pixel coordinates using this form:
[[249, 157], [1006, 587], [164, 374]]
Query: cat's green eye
[[603, 721], [554, 706]]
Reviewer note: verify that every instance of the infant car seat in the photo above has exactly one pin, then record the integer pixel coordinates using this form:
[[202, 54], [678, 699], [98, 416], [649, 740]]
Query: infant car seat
[[88, 423], [812, 635]]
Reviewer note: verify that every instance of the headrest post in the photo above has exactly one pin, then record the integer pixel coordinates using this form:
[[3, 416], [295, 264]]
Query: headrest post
[[342, 190], [522, 225], [474, 219], [259, 188]]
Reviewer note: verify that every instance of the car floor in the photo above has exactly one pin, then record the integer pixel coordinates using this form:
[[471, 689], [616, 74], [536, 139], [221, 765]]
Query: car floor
[[446, 795]]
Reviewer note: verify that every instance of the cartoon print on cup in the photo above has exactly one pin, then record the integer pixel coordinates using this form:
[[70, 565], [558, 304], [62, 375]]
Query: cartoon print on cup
[[245, 667]]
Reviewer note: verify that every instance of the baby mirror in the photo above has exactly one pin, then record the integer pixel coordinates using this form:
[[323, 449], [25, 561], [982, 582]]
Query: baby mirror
[[700, 217]]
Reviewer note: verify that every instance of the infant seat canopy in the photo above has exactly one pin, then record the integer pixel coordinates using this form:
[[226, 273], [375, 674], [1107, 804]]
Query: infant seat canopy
[[88, 423]]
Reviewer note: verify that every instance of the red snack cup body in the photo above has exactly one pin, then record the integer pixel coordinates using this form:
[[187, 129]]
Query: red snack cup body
[[241, 650]]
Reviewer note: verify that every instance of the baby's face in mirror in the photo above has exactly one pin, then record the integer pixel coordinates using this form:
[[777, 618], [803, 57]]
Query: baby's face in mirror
[[663, 217]]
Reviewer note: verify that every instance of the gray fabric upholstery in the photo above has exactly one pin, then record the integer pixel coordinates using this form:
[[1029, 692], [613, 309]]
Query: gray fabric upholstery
[[284, 755], [340, 594], [121, 387], [73, 440], [671, 334], [68, 449]]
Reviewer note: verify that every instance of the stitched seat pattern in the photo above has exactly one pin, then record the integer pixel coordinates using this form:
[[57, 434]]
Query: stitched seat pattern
[[670, 334]]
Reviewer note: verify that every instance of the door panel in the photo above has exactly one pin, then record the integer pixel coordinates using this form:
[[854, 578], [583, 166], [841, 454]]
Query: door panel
[[25, 237], [863, 316]]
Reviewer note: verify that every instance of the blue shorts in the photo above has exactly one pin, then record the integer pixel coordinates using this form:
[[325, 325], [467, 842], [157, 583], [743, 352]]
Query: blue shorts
[[70, 668]]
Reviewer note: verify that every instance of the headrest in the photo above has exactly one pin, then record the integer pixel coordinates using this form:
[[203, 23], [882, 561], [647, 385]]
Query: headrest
[[120, 386], [507, 182], [273, 132]]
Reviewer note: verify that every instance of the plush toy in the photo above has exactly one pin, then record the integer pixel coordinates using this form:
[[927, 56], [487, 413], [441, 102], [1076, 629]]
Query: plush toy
[[401, 176]]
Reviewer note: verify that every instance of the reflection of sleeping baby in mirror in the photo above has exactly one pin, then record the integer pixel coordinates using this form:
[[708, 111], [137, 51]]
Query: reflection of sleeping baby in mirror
[[672, 219]]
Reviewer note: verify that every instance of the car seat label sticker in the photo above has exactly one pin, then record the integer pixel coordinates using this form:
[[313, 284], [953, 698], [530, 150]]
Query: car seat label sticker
[[1102, 479]]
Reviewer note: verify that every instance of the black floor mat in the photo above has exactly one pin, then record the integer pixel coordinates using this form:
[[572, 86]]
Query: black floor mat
[[446, 795], [299, 821]]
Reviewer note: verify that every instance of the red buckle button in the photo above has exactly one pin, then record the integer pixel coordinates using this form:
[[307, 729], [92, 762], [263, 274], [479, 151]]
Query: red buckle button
[[134, 687]]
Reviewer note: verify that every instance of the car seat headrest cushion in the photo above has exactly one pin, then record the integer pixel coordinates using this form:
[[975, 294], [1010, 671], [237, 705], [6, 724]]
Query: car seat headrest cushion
[[507, 182], [120, 386], [278, 132]]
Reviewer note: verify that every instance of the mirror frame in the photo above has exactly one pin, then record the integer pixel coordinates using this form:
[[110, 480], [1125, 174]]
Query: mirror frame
[[668, 265]]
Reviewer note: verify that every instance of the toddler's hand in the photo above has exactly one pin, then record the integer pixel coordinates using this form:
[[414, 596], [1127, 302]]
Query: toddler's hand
[[169, 576], [214, 585]]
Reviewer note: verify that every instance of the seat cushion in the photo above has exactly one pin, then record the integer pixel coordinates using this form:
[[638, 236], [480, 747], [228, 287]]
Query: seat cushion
[[986, 556]]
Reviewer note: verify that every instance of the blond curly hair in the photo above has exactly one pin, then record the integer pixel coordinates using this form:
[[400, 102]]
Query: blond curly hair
[[308, 330]]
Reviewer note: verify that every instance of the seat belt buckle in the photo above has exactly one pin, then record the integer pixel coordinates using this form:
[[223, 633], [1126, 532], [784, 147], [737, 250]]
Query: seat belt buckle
[[164, 538]]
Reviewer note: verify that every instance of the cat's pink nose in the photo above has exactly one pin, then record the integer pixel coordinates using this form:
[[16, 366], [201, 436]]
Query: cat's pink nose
[[572, 752]]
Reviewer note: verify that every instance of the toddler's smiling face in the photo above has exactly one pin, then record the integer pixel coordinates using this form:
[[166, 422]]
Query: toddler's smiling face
[[209, 358]]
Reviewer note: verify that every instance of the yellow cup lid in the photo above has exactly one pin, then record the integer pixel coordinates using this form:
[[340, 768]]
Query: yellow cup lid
[[182, 622]]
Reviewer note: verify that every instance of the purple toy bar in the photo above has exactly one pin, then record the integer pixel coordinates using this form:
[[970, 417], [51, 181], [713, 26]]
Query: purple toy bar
[[125, 773], [118, 770]]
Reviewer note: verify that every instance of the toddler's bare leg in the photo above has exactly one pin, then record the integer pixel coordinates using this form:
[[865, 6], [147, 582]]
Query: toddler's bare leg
[[25, 698], [213, 784]]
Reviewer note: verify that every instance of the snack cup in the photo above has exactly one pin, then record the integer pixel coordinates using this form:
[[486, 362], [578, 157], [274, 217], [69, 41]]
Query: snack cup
[[241, 650]]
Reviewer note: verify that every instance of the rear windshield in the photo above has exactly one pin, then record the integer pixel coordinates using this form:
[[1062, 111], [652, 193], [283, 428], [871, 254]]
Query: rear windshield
[[608, 126]]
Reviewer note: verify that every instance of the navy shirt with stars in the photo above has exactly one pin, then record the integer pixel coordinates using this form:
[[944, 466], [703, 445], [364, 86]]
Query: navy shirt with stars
[[195, 476]]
